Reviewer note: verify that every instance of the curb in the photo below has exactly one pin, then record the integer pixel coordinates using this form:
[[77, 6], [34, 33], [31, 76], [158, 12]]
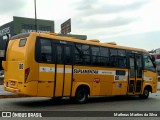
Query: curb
[[12, 96]]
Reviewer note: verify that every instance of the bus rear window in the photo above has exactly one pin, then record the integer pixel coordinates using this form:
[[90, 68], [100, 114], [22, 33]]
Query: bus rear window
[[22, 42]]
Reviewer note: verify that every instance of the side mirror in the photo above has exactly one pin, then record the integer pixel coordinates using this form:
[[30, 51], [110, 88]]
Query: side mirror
[[153, 59], [8, 37]]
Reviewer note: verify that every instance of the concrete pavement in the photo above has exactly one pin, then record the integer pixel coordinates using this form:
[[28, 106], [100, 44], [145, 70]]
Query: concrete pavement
[[5, 94]]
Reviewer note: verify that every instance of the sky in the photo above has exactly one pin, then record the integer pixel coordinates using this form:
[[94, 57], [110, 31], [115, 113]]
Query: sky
[[133, 23]]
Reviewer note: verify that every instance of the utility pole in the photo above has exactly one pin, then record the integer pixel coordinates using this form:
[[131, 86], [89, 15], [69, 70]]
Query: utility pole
[[35, 15]]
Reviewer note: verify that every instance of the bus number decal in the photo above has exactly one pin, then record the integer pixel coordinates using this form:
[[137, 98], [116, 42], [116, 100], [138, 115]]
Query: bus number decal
[[21, 66]]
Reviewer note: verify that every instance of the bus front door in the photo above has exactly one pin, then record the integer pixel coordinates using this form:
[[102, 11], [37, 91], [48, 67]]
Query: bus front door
[[63, 70], [135, 73]]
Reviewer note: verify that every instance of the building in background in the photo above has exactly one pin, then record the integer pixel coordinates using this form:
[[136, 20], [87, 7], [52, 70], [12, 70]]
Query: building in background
[[23, 25], [156, 54]]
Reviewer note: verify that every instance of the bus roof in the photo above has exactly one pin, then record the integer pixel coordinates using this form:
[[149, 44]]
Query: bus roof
[[91, 42], [21, 35], [72, 39]]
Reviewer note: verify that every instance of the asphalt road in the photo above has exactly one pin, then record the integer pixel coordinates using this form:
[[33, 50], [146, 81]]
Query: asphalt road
[[120, 103], [131, 103]]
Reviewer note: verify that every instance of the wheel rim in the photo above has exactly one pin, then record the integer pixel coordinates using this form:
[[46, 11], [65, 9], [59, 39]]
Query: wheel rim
[[81, 96], [146, 92]]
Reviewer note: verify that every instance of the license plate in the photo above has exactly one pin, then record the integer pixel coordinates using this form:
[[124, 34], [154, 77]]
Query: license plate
[[12, 83]]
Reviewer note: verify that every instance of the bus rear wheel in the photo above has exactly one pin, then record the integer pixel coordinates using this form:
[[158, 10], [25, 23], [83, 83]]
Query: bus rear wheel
[[145, 94], [81, 95]]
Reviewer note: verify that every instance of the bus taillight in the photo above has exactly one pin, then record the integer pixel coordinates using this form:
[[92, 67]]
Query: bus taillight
[[26, 73]]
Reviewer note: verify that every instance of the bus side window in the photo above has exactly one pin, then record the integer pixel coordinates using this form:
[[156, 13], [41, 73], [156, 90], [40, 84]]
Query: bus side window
[[121, 58], [113, 58], [78, 54], [86, 54], [95, 55], [46, 50], [60, 59], [82, 54], [22, 42], [68, 57], [43, 57], [104, 53]]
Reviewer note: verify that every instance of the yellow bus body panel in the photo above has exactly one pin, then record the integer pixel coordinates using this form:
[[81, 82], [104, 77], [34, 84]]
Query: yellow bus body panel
[[150, 79], [45, 80]]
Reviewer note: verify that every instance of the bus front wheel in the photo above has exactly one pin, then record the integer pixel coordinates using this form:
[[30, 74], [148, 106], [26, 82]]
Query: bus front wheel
[[145, 94], [81, 95]]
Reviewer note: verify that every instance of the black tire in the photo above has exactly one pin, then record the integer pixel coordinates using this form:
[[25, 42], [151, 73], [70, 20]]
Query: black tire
[[145, 94], [81, 95]]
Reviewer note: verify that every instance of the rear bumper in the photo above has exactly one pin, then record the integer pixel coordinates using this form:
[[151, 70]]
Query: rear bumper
[[29, 89], [13, 90]]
